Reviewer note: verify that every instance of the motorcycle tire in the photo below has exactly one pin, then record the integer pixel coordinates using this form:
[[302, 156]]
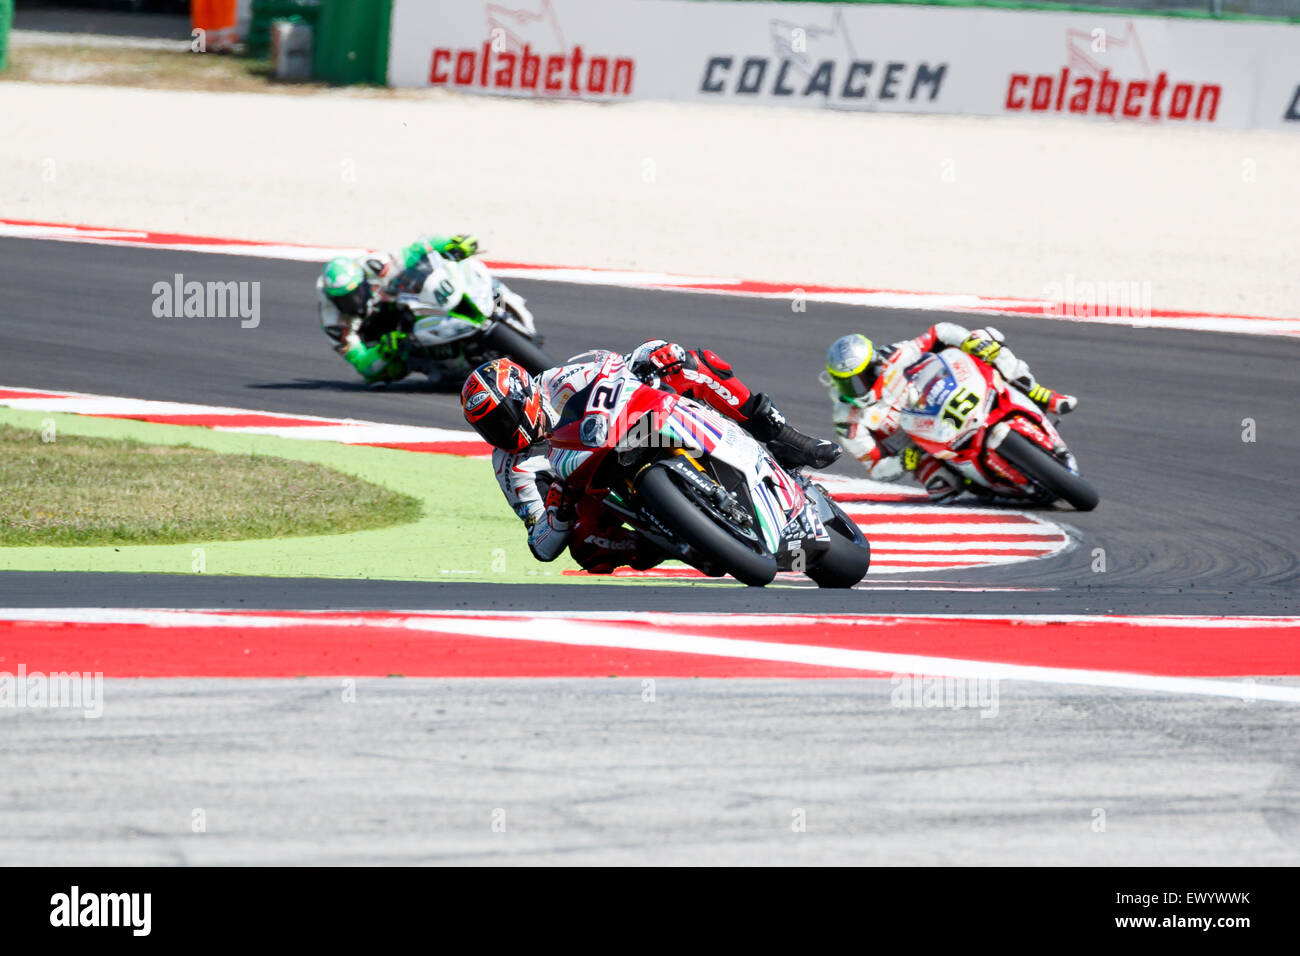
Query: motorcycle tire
[[716, 546], [1053, 477], [515, 345], [847, 560]]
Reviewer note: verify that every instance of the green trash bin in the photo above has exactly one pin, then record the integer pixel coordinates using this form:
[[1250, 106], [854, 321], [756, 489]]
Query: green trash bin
[[351, 41], [6, 18]]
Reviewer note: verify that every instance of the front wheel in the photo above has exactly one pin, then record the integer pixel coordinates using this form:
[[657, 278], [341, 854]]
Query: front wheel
[[515, 345], [717, 548], [847, 560], [1053, 477]]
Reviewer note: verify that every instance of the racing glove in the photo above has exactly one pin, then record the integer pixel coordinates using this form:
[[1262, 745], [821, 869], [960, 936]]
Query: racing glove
[[560, 502], [665, 361], [392, 344], [460, 247], [984, 344]]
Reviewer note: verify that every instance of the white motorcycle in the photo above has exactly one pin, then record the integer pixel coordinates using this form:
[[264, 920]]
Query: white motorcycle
[[696, 485], [458, 316]]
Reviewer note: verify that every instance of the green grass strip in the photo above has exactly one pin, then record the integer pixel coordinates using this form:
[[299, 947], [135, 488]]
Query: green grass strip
[[465, 531], [70, 490]]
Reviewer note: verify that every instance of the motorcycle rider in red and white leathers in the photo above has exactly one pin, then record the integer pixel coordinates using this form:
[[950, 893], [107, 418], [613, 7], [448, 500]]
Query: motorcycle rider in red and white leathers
[[869, 385], [516, 413]]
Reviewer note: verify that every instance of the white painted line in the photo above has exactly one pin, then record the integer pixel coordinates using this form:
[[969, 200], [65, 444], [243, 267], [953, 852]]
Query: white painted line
[[711, 285], [942, 529], [112, 406], [911, 548], [595, 631], [356, 433]]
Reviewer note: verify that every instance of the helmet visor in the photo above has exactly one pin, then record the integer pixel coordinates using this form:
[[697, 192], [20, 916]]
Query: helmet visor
[[354, 302], [500, 429], [856, 386], [511, 423]]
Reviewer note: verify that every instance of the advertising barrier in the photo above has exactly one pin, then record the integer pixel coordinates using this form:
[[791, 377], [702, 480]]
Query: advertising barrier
[[885, 58]]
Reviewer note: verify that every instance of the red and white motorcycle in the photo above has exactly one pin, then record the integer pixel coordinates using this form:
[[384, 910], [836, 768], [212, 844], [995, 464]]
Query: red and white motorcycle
[[964, 413], [696, 484]]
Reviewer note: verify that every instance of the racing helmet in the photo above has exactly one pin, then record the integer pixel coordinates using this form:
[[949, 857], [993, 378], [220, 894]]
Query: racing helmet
[[344, 281], [853, 365], [504, 404]]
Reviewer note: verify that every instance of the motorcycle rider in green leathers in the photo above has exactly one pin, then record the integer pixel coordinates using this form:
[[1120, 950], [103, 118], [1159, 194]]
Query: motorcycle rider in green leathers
[[350, 288]]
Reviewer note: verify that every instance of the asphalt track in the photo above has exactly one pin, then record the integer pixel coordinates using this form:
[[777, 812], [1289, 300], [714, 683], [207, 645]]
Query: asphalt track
[[584, 772], [1192, 518]]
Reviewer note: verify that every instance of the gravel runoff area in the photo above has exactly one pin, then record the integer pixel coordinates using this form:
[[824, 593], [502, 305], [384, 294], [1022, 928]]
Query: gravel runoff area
[[617, 771], [989, 206]]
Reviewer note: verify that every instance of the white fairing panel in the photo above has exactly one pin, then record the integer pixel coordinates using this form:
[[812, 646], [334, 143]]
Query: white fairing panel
[[777, 498], [437, 330], [476, 282], [949, 399]]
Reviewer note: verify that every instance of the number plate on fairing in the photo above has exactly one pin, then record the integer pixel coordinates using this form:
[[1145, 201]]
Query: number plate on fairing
[[947, 401]]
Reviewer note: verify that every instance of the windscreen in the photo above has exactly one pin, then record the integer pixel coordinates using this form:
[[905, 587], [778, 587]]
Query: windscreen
[[934, 383]]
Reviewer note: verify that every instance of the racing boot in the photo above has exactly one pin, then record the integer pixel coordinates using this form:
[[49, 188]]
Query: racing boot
[[380, 363], [939, 481], [1055, 403], [602, 546], [791, 447]]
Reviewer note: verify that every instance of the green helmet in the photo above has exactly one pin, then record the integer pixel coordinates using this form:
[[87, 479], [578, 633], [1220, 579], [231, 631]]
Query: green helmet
[[344, 281], [853, 365]]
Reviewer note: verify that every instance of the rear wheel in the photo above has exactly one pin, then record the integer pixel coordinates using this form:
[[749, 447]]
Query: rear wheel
[[1036, 463], [515, 345], [716, 546]]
